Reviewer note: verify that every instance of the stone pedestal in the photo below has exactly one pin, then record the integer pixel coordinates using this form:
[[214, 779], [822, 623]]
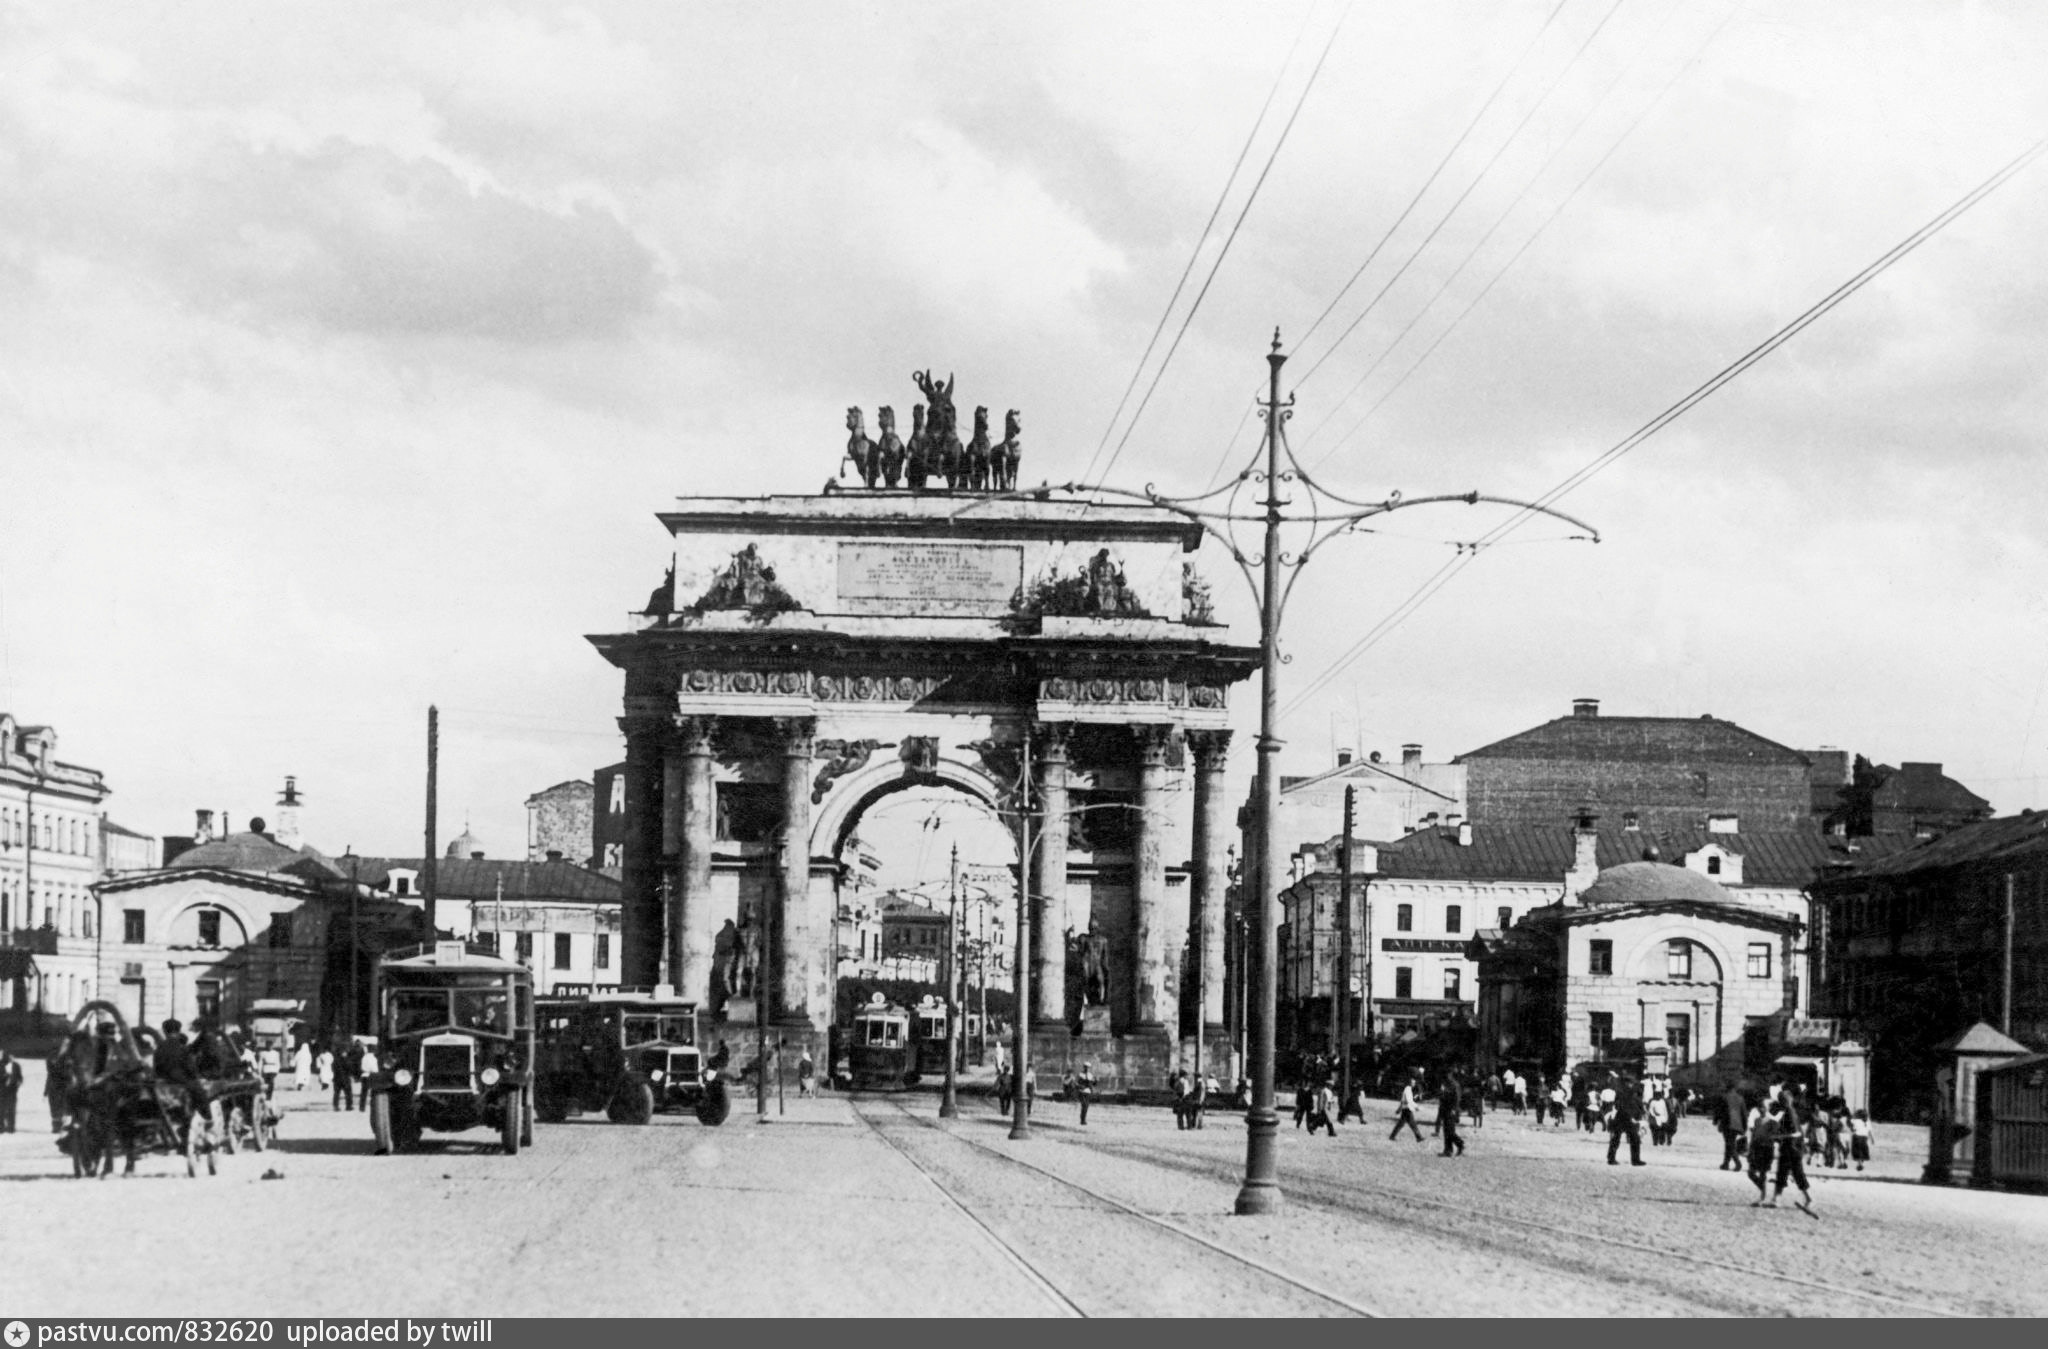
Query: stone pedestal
[[1095, 1021], [742, 1012]]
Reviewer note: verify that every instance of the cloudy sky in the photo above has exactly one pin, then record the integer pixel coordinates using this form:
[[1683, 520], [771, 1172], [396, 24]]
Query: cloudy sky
[[350, 349]]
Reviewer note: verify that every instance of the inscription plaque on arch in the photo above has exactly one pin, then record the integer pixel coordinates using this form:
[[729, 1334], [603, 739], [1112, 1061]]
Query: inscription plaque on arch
[[944, 578]]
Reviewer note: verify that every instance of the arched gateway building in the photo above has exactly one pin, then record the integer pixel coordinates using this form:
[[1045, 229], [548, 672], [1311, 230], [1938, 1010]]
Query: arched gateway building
[[809, 656]]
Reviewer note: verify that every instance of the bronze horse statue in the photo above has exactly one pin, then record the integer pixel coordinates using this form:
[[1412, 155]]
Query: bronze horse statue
[[1003, 460], [943, 451], [918, 463], [888, 452], [974, 464], [860, 451]]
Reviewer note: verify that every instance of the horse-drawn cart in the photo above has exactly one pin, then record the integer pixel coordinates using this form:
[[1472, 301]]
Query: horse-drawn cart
[[116, 1101]]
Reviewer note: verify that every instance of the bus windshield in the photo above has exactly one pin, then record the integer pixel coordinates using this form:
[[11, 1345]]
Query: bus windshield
[[646, 1027], [487, 1010], [418, 1009]]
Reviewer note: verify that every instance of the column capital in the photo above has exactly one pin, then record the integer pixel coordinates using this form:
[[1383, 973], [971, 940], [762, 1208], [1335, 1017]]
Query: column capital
[[694, 733], [797, 735], [1211, 750], [1155, 743], [1051, 741]]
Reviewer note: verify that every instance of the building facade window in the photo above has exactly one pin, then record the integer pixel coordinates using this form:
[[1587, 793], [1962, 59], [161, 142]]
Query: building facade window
[[603, 959], [562, 950], [208, 993], [1404, 982], [1678, 1036], [85, 919], [1454, 919], [1759, 960], [1713, 866], [522, 946], [131, 926], [1404, 918], [1600, 957], [1504, 918], [1453, 983], [1601, 1033], [209, 927], [1678, 960]]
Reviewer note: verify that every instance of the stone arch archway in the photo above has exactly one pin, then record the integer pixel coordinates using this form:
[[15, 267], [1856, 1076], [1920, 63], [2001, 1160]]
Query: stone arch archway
[[825, 651]]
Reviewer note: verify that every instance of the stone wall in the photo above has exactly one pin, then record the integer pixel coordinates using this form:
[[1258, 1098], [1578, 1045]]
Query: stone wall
[[559, 820]]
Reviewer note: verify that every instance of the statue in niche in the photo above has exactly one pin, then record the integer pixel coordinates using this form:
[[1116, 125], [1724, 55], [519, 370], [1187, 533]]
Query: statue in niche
[[888, 457], [860, 451], [975, 462], [1006, 456], [725, 955], [1094, 969], [745, 981], [917, 466]]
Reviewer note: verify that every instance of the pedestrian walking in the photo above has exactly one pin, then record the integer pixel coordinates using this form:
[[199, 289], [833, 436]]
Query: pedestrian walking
[[1177, 1081], [1322, 1111], [269, 1063], [1005, 1087], [1559, 1098], [348, 1070], [1624, 1121], [1084, 1089], [1303, 1100], [805, 1070], [1405, 1113], [1198, 1099], [1521, 1096], [10, 1090], [302, 1066], [1582, 1105], [1448, 1105], [1659, 1116], [1608, 1099], [1861, 1136], [1733, 1112], [1760, 1126], [1791, 1139], [323, 1068]]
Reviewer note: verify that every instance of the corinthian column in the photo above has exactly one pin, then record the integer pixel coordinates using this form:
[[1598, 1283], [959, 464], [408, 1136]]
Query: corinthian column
[[1211, 751], [1148, 879], [1048, 883], [640, 917], [692, 818], [795, 939]]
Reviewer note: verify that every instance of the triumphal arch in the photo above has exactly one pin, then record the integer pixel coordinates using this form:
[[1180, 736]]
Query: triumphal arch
[[808, 656]]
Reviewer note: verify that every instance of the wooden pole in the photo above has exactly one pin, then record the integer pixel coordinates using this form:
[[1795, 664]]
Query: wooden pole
[[429, 885]]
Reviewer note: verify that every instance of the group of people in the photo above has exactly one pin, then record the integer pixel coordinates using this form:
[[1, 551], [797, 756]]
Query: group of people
[[1770, 1136], [1191, 1093]]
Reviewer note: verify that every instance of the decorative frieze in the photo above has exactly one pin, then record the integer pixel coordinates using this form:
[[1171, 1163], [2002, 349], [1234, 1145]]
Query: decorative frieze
[[1164, 692], [874, 688], [841, 757]]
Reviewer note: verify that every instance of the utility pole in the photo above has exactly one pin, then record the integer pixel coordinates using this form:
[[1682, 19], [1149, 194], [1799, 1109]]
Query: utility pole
[[1020, 1021], [355, 938], [1327, 516], [2005, 1007], [949, 1102], [429, 885], [1340, 987]]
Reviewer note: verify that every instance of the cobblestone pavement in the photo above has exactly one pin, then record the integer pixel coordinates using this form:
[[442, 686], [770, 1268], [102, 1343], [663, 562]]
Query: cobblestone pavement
[[875, 1207]]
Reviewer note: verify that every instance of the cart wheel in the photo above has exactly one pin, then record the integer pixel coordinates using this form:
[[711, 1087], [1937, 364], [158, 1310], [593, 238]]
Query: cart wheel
[[635, 1103], [715, 1106], [380, 1121], [512, 1116]]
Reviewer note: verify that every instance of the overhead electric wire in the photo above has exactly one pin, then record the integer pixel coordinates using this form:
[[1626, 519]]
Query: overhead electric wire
[[1229, 239], [1195, 253], [1441, 165], [1699, 394], [1530, 242], [1499, 219]]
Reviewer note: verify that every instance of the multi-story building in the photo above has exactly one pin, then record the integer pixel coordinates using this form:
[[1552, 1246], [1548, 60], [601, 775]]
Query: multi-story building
[[50, 846], [1914, 947], [559, 825], [1418, 901], [1388, 801], [1658, 772]]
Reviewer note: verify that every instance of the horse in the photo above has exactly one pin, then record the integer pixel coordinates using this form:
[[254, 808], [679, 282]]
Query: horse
[[859, 449], [943, 440], [1003, 460], [917, 464], [888, 454], [974, 464]]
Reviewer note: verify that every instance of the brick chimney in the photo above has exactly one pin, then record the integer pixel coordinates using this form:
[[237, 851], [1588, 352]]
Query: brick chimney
[[1585, 854], [202, 827], [1411, 756], [1585, 707], [288, 801]]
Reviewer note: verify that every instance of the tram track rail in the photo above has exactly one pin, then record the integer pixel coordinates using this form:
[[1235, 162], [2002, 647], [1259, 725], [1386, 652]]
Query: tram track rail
[[1325, 1187], [1350, 1306]]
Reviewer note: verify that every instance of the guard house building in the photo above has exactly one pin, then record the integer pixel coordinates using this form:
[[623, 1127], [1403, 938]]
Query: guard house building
[[1655, 956], [808, 656]]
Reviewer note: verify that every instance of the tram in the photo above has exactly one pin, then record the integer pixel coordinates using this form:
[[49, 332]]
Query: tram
[[929, 1035], [880, 1053]]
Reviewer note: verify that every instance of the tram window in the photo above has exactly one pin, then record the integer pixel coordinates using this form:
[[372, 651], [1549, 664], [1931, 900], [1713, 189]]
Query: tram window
[[640, 1030], [677, 1030], [418, 1009]]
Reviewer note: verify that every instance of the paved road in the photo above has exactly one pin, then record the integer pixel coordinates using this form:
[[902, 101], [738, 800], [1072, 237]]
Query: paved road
[[875, 1207]]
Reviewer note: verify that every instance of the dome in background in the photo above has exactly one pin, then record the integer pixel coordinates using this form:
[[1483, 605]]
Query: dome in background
[[465, 845]]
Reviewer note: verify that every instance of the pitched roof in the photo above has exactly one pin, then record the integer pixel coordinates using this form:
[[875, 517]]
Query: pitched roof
[[1662, 740], [1924, 787], [1982, 1038], [1544, 852], [465, 878], [1359, 768], [1984, 841], [254, 852]]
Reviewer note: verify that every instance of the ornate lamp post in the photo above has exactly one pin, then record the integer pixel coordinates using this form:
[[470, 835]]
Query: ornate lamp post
[[1327, 515]]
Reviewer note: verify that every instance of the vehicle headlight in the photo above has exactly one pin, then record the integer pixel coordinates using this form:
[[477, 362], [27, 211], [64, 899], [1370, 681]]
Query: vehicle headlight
[[402, 1076], [490, 1077], [654, 1076]]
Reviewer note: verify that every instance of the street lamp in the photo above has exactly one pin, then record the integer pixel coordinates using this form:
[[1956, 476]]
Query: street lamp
[[1328, 515]]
